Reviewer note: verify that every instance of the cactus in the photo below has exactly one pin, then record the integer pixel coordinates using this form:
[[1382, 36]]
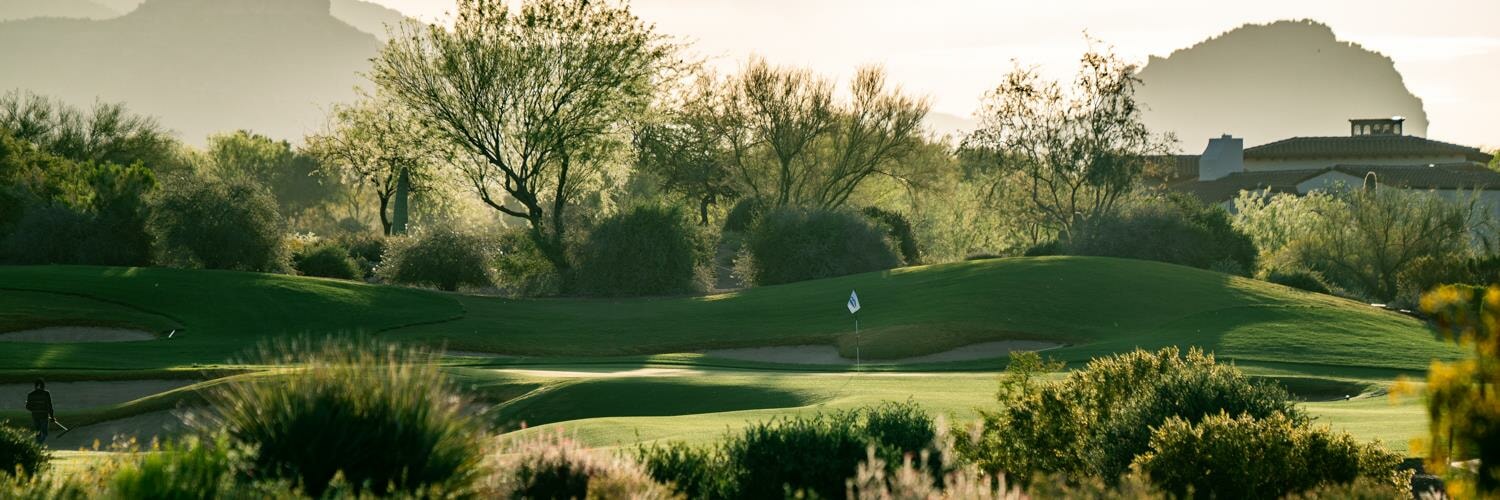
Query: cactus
[[403, 191]]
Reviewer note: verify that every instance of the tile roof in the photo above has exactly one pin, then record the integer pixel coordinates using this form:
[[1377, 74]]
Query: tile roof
[[1365, 146], [1446, 177]]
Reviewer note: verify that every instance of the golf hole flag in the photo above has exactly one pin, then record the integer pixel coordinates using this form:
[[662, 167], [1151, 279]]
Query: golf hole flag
[[853, 302]]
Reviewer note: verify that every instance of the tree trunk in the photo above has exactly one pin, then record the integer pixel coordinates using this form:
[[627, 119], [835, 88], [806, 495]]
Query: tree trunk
[[385, 220]]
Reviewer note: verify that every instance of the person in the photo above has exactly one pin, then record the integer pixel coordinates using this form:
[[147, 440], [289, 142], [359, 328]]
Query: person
[[39, 403]]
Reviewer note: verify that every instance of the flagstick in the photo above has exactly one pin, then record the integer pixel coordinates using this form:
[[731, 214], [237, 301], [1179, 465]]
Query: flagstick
[[856, 339]]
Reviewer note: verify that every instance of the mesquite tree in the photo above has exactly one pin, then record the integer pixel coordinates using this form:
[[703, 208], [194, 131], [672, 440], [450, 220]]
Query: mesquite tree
[[1077, 150], [535, 97], [371, 143], [790, 142]]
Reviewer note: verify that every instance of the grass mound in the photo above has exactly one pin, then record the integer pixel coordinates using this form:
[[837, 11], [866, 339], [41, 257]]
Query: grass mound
[[1097, 306]]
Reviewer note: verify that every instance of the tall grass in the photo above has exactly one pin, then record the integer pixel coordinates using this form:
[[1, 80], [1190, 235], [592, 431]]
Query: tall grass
[[382, 417]]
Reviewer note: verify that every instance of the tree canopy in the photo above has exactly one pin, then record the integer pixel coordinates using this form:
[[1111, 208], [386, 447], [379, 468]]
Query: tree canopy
[[537, 98]]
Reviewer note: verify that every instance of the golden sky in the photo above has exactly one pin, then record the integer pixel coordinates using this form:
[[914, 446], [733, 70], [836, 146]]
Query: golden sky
[[955, 50]]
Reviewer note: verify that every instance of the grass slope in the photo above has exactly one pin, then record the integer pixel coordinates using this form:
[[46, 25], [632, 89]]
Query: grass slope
[[1097, 305]]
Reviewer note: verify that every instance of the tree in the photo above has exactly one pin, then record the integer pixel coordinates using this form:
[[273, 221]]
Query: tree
[[791, 143], [686, 153], [1462, 396], [1077, 151], [107, 133], [1375, 235], [294, 178], [370, 143], [537, 97]]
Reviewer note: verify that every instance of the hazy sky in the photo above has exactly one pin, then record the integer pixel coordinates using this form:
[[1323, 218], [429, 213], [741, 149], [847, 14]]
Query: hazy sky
[[955, 50]]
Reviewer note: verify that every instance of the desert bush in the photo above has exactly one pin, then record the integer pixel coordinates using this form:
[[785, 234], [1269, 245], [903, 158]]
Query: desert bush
[[898, 229], [20, 451], [522, 269], [326, 260], [1175, 228], [553, 466], [645, 251], [441, 257], [1308, 281], [218, 224], [367, 249], [811, 455], [382, 417], [693, 472], [192, 469], [789, 245], [1363, 488], [48, 234], [1246, 457], [1091, 423], [30, 487], [744, 215]]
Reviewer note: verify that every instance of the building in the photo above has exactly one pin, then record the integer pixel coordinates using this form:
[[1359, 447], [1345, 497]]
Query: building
[[1375, 151]]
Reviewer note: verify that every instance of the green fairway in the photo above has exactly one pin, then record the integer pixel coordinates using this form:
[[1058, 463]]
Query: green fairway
[[620, 371], [1096, 305]]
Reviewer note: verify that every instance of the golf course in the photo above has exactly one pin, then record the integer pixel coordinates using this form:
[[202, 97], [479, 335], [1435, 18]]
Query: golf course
[[614, 372]]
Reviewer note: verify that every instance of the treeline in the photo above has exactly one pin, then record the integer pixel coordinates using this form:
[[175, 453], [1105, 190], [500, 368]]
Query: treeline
[[488, 156]]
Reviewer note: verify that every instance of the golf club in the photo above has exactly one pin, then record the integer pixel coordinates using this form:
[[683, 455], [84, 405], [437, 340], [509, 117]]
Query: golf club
[[64, 428]]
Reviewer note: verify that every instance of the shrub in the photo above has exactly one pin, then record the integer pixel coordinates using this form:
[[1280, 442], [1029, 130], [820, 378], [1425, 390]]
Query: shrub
[[812, 455], [1092, 423], [790, 245], [1245, 457], [899, 231], [48, 234], [192, 469], [368, 250], [556, 467], [326, 260], [646, 251], [19, 450], [693, 472], [383, 417], [440, 257], [218, 225], [522, 268], [1045, 249], [1308, 281], [744, 215], [1176, 229]]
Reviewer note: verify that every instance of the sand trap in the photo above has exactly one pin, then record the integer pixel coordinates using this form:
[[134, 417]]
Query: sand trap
[[829, 355], [477, 354], [162, 424], [68, 396], [76, 334], [605, 373]]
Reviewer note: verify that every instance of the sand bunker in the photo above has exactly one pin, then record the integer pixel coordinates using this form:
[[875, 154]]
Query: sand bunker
[[67, 396], [829, 355], [603, 372], [76, 334], [162, 424]]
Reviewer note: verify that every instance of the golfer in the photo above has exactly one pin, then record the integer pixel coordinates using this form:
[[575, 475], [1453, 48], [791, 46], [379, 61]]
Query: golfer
[[39, 403]]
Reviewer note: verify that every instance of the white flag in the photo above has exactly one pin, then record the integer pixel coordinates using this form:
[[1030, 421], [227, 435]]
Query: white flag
[[853, 302]]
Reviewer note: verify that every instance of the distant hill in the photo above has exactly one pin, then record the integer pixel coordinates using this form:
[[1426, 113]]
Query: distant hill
[[1267, 82], [201, 66], [11, 10], [368, 17]]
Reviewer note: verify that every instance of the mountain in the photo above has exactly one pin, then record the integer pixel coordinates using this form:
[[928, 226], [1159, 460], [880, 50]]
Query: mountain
[[201, 66], [1267, 82], [11, 10], [367, 17]]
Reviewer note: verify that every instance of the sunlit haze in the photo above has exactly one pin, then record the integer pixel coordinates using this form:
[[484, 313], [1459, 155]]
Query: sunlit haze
[[955, 50]]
